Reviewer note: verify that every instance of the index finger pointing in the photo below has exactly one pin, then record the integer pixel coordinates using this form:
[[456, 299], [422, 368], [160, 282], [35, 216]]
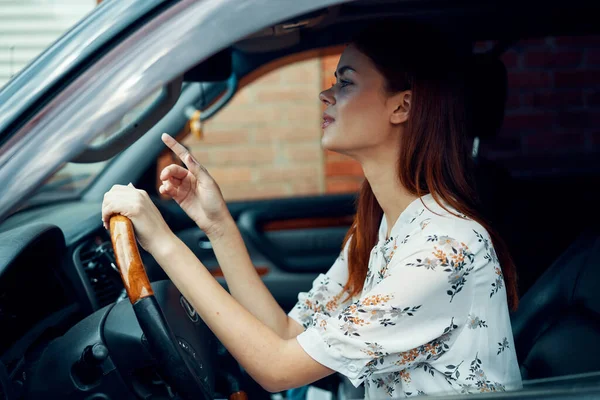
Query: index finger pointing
[[184, 155], [176, 147]]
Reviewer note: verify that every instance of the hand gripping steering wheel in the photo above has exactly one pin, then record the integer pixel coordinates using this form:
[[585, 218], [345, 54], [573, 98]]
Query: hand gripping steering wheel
[[177, 369]]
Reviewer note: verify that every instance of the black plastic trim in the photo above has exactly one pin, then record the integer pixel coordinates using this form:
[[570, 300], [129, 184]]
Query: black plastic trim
[[163, 344]]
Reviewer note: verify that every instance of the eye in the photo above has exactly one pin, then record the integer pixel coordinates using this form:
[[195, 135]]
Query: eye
[[343, 83]]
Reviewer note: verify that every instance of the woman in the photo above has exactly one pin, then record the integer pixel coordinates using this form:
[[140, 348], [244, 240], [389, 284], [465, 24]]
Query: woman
[[417, 302]]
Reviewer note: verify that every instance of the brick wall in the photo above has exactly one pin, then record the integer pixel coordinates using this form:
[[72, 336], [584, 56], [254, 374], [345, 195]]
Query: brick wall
[[266, 143], [553, 107]]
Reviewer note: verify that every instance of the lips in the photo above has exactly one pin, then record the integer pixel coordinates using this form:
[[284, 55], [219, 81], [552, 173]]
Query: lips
[[327, 120]]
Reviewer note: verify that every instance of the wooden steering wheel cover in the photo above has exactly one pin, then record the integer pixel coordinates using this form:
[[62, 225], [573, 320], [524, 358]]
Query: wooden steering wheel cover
[[129, 262]]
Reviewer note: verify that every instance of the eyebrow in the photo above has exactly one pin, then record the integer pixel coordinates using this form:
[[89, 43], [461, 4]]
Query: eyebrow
[[343, 69]]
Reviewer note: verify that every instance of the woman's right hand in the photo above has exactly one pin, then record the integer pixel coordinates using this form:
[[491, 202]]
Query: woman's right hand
[[194, 190]]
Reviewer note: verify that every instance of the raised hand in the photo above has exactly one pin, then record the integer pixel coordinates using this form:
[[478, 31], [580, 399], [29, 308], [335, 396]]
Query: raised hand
[[193, 189]]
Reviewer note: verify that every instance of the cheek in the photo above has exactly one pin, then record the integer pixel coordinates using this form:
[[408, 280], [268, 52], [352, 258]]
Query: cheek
[[362, 114]]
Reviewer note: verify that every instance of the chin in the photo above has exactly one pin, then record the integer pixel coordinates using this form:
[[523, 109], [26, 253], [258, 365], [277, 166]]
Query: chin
[[329, 143]]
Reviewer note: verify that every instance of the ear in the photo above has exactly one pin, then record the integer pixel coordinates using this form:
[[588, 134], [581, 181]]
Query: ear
[[400, 104]]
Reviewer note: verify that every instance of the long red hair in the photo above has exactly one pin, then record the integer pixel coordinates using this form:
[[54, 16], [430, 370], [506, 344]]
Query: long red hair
[[434, 149]]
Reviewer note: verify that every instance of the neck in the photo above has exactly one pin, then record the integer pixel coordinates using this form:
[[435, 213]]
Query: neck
[[381, 173]]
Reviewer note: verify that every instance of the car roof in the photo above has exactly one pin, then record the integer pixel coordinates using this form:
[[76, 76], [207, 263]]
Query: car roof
[[470, 21]]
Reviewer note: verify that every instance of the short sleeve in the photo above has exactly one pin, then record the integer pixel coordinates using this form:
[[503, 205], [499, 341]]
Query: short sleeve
[[411, 315], [326, 295]]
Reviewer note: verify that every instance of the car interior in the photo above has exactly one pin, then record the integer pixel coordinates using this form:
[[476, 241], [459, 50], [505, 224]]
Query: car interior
[[76, 335]]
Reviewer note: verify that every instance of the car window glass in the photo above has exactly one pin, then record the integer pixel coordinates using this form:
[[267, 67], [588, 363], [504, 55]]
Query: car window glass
[[128, 118]]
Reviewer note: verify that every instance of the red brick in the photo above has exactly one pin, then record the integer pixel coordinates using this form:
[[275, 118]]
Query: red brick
[[273, 77], [287, 133], [243, 155], [511, 59], [580, 78], [243, 97], [202, 155], [528, 80], [577, 41], [301, 113], [229, 136], [305, 188], [542, 142], [343, 168], [592, 57], [546, 59], [592, 99], [521, 122], [553, 99], [304, 72], [329, 63], [254, 191], [230, 175], [249, 115], [286, 94], [342, 186], [289, 173], [574, 119], [303, 153], [513, 101]]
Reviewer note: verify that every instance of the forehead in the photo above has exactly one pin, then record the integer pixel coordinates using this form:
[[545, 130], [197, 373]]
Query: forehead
[[355, 59]]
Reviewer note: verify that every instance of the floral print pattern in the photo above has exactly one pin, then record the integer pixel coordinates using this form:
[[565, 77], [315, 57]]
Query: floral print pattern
[[474, 322], [498, 283], [454, 257], [503, 345], [324, 299], [414, 326], [479, 377]]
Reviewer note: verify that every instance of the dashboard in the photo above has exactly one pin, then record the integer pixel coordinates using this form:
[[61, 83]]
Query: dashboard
[[55, 268], [32, 283], [31, 290]]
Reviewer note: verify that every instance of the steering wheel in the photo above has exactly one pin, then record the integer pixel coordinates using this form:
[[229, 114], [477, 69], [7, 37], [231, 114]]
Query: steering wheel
[[174, 367]]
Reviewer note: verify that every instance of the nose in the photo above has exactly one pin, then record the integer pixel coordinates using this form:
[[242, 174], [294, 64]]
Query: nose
[[327, 97]]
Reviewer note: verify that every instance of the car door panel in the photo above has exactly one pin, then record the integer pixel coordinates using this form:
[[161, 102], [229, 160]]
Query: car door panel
[[290, 241]]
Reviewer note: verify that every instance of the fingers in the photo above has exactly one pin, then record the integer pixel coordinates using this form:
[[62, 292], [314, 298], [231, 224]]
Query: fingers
[[108, 209], [179, 150], [184, 155], [122, 196], [172, 178], [173, 171], [168, 188]]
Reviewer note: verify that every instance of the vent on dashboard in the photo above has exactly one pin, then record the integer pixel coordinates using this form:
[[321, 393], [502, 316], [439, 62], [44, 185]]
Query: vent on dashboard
[[97, 259]]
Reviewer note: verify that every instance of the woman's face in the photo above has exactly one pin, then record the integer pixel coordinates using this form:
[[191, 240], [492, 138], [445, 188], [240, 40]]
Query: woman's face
[[358, 114]]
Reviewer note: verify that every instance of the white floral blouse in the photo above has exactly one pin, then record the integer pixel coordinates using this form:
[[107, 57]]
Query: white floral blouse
[[432, 317]]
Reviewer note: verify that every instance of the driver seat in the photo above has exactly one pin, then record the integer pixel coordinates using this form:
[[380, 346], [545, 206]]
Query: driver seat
[[557, 325]]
